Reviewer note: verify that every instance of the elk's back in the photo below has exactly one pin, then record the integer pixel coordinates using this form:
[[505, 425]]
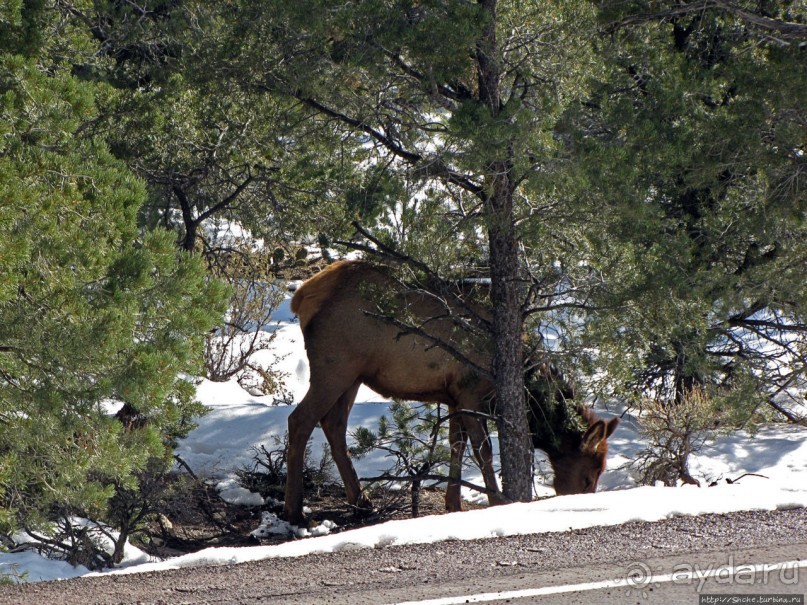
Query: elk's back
[[345, 315]]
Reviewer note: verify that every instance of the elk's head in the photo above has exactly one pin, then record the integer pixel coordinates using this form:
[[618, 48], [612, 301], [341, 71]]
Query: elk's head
[[574, 439], [580, 459]]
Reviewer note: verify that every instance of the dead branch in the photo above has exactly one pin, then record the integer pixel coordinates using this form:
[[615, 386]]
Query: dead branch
[[426, 477]]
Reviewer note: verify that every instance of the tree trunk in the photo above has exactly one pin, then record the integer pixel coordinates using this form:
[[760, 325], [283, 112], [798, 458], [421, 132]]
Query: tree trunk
[[189, 239], [507, 286], [684, 382], [416, 484], [508, 325]]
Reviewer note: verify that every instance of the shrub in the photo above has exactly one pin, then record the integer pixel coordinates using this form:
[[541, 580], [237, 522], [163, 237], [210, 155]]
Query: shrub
[[675, 431]]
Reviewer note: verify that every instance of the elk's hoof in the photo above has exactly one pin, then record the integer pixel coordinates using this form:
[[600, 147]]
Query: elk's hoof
[[295, 518], [363, 507], [497, 498]]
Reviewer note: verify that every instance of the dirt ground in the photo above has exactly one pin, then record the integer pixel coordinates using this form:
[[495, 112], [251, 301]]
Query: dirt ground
[[198, 518]]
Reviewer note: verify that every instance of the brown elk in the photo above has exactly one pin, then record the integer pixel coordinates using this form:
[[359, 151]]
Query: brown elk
[[348, 344]]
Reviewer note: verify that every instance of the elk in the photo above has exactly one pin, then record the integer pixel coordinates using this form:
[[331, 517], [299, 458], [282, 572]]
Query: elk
[[349, 343]]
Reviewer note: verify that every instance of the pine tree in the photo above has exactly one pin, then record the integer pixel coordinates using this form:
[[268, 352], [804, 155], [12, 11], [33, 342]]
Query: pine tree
[[694, 152], [94, 313]]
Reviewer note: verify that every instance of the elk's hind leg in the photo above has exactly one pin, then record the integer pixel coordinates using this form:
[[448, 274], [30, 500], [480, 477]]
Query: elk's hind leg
[[334, 425], [321, 397]]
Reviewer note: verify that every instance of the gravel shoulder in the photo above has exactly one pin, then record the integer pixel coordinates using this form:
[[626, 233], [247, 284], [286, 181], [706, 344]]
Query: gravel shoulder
[[361, 576]]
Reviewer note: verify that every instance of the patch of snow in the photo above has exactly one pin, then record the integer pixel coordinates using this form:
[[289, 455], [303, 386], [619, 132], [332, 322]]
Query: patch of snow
[[233, 493], [271, 525], [561, 513], [33, 567]]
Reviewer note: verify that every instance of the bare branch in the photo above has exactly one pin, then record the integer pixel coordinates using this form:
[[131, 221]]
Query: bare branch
[[430, 166], [443, 94], [439, 342], [428, 477], [785, 30], [227, 200], [435, 283]]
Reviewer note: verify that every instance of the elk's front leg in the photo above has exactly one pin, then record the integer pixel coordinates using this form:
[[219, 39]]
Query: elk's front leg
[[300, 427], [480, 443], [457, 439]]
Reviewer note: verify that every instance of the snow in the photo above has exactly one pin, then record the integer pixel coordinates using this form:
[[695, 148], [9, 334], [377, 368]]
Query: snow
[[549, 515], [238, 422], [31, 567]]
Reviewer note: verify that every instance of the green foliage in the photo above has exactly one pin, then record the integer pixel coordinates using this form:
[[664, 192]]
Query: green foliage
[[694, 171], [207, 156], [415, 439], [399, 84], [211, 151], [93, 313], [409, 436], [18, 26]]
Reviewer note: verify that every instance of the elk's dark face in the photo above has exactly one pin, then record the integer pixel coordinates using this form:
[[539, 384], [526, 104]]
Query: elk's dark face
[[580, 461], [577, 455]]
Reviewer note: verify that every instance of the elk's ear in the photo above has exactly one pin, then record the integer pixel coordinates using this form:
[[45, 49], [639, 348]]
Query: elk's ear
[[594, 437], [612, 424]]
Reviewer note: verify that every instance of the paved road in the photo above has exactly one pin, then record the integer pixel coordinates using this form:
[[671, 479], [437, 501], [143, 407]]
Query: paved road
[[729, 579], [617, 557]]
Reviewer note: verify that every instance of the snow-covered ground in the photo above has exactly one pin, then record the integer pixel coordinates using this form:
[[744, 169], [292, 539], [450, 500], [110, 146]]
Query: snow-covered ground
[[238, 421]]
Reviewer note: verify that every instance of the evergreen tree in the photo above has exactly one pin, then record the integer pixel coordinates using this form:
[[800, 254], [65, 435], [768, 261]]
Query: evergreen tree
[[94, 314], [694, 149], [414, 438]]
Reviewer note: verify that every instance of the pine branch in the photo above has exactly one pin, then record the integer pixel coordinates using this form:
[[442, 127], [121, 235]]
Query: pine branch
[[786, 30], [444, 95], [435, 284], [773, 325], [430, 166]]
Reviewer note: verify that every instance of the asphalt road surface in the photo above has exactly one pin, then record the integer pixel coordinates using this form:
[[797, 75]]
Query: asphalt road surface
[[750, 557]]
